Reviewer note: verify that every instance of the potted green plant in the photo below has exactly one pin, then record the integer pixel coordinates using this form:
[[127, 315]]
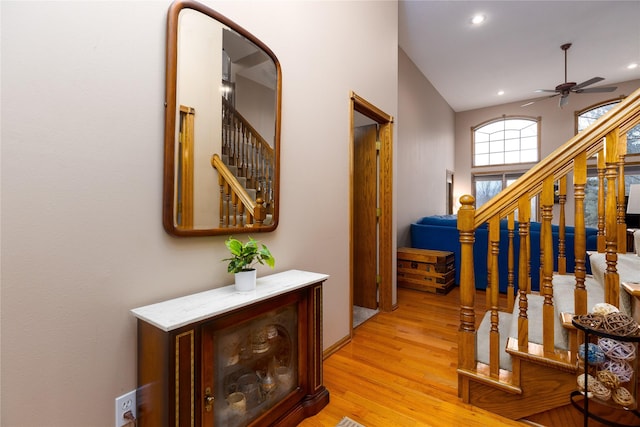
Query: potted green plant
[[244, 256]]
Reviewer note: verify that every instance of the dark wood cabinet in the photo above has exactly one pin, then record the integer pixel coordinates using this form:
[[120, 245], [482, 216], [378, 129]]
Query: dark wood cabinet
[[228, 358]]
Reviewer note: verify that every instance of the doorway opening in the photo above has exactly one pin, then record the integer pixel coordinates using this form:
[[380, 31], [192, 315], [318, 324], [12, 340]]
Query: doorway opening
[[370, 211]]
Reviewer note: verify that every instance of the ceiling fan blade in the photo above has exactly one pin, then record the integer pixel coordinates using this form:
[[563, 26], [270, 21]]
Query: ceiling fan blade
[[533, 101], [597, 89], [545, 90], [588, 82]]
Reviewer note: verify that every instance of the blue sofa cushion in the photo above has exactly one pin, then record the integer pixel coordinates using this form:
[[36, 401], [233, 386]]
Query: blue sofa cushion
[[440, 232]]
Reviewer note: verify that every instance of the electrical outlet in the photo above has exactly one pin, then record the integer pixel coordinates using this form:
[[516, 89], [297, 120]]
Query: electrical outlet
[[124, 404]]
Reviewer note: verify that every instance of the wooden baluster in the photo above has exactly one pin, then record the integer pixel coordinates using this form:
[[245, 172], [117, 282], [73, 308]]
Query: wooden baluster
[[542, 236], [621, 223], [259, 211], [611, 278], [487, 292], [524, 283], [221, 199], [494, 334], [511, 276], [601, 193], [546, 289], [255, 146], [241, 215], [562, 198], [227, 203], [466, 332], [234, 209], [237, 149], [242, 151], [580, 239]]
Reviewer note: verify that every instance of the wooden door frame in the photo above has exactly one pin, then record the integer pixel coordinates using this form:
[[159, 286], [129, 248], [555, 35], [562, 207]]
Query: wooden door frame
[[385, 195]]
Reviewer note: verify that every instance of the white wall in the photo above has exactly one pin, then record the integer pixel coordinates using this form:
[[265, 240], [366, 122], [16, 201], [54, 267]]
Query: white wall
[[82, 237], [557, 128], [425, 148]]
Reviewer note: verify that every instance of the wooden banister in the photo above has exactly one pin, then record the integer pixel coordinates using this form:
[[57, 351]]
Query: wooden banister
[[236, 195]]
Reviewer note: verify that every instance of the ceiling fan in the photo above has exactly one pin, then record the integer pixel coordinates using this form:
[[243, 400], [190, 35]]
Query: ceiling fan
[[566, 88]]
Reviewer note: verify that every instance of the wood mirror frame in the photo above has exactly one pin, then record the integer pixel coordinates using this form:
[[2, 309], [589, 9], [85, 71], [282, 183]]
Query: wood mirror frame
[[211, 147]]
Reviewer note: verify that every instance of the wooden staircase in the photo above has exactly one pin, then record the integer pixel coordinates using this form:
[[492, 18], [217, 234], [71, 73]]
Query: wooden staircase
[[245, 173], [520, 358]]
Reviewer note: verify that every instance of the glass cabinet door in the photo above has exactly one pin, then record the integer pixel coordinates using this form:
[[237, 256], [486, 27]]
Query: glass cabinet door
[[255, 365]]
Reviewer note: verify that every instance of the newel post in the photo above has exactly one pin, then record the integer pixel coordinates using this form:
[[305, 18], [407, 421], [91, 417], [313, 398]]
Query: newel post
[[466, 333]]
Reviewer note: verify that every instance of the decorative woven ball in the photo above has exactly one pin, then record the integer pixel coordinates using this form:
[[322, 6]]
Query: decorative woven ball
[[600, 391], [590, 381], [619, 324], [608, 379], [623, 397], [593, 321], [595, 355], [604, 308], [621, 368], [618, 350]]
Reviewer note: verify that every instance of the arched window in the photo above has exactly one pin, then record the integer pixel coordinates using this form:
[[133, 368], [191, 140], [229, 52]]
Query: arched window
[[632, 172], [590, 114], [507, 140]]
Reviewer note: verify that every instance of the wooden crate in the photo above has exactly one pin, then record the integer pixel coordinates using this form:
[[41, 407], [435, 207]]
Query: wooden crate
[[426, 270]]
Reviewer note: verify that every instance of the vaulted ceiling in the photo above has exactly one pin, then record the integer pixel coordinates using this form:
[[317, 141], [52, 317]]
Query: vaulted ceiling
[[517, 48]]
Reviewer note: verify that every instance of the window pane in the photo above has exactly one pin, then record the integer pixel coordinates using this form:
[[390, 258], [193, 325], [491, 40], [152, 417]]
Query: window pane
[[485, 190], [493, 127], [530, 143], [482, 159], [512, 157], [512, 144], [527, 156], [482, 148], [496, 146], [481, 137], [512, 134], [591, 202], [496, 158], [497, 136], [531, 130], [633, 140]]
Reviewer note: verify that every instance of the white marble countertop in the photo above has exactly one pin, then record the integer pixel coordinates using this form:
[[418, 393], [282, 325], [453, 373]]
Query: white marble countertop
[[175, 313]]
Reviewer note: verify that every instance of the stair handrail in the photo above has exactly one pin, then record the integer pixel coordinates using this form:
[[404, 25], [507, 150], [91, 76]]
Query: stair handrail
[[254, 208], [621, 116]]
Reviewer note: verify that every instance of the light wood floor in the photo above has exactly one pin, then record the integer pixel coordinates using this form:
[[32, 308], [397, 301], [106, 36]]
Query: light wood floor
[[400, 370]]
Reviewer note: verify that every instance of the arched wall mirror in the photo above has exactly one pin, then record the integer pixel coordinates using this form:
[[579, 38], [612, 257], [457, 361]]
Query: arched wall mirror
[[222, 126]]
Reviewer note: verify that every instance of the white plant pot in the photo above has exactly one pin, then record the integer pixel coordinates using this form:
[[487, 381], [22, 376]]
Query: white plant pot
[[246, 280]]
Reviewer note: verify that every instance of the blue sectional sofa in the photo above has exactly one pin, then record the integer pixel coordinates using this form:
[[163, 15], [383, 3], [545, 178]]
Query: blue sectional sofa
[[440, 232]]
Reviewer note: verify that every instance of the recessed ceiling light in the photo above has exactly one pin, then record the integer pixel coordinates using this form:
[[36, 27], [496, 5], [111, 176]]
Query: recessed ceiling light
[[632, 66], [500, 92], [478, 19]]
